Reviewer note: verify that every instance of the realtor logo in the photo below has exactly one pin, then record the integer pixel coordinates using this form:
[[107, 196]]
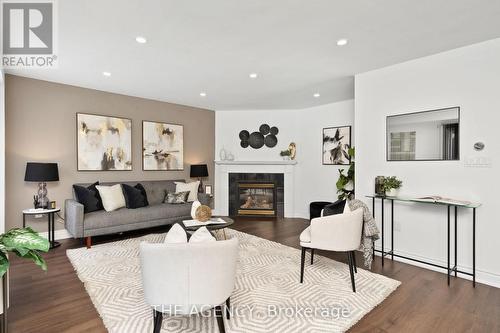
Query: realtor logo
[[28, 34]]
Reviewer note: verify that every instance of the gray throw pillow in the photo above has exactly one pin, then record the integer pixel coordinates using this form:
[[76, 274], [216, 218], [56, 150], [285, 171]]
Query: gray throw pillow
[[176, 198]]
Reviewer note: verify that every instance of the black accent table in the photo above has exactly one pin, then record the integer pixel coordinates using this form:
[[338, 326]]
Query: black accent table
[[50, 222], [449, 206]]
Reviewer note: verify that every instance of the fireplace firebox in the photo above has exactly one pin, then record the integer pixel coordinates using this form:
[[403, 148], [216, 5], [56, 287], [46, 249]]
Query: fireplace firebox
[[257, 199]]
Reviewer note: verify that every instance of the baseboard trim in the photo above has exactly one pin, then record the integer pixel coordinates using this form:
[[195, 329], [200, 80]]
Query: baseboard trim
[[58, 234], [485, 277]]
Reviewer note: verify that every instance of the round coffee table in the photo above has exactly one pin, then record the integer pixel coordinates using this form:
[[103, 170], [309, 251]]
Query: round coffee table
[[212, 227]]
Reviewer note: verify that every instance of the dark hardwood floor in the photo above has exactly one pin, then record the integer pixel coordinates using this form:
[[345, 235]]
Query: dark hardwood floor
[[56, 301]]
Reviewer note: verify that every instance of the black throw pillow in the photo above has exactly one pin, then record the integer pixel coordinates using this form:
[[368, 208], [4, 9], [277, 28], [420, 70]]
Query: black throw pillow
[[135, 197], [335, 208], [89, 197]]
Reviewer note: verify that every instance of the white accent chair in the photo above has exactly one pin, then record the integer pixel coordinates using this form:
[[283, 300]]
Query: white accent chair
[[340, 233], [183, 279]]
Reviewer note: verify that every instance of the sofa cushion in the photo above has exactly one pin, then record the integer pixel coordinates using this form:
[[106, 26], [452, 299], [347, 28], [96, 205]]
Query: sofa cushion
[[103, 219], [135, 197], [112, 197], [89, 197]]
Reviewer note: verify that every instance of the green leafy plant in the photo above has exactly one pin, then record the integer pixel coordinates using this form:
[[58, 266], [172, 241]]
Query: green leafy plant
[[391, 183], [345, 183], [285, 152], [25, 243]]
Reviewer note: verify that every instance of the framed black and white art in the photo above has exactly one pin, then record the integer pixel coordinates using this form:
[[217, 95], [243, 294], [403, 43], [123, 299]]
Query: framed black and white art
[[336, 144], [162, 146], [104, 143]]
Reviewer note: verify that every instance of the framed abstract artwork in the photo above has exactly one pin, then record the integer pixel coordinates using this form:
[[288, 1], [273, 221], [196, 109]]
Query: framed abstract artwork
[[336, 144], [104, 143], [162, 146]]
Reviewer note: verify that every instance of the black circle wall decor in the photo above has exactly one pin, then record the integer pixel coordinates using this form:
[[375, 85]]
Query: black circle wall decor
[[264, 129], [244, 135], [256, 140], [271, 141], [265, 136]]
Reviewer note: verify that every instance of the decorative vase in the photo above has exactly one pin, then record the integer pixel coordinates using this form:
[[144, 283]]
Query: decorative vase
[[393, 192], [223, 154]]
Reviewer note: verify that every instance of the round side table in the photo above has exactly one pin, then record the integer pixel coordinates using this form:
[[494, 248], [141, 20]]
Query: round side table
[[50, 222]]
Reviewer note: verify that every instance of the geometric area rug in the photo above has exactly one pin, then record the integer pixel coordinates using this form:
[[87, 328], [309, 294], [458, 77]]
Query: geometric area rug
[[267, 297]]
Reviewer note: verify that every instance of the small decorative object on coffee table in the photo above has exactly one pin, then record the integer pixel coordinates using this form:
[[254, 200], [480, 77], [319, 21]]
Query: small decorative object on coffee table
[[203, 213]]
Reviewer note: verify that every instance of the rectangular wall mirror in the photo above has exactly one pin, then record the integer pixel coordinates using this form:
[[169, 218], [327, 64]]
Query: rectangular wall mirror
[[424, 136]]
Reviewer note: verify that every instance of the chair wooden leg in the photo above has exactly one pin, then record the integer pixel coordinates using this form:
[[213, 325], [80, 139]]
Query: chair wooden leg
[[228, 308], [220, 319], [88, 242], [351, 271], [158, 319], [354, 262], [312, 256], [302, 259]]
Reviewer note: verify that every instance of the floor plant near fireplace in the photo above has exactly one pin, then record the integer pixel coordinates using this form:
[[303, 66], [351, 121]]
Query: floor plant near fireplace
[[25, 243]]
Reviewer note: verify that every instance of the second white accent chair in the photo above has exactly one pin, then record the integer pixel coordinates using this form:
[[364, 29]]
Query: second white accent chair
[[182, 278], [339, 233]]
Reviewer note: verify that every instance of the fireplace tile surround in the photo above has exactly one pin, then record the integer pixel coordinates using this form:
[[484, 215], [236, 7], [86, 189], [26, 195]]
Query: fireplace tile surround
[[274, 182], [262, 171]]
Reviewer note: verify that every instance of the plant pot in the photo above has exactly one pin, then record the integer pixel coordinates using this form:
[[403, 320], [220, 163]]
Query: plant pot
[[393, 192]]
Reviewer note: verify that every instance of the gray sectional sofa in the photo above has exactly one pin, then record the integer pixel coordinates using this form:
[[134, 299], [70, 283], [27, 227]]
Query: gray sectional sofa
[[102, 223]]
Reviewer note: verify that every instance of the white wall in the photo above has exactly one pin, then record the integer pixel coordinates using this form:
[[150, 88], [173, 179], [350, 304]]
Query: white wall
[[314, 181], [2, 152], [468, 77]]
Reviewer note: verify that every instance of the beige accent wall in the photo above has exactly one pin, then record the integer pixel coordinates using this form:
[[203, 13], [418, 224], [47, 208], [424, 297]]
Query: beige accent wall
[[41, 127]]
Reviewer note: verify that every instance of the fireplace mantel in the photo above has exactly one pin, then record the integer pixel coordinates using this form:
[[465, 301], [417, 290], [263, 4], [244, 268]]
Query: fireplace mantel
[[224, 168], [290, 162]]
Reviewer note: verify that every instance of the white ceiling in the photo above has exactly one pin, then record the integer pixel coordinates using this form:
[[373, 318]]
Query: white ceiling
[[212, 46]]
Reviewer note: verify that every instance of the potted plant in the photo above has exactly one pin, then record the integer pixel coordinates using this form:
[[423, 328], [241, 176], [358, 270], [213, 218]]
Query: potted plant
[[391, 186], [286, 154], [345, 183], [25, 243]]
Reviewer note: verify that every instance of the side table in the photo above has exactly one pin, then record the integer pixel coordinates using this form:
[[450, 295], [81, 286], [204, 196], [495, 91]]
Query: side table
[[50, 219]]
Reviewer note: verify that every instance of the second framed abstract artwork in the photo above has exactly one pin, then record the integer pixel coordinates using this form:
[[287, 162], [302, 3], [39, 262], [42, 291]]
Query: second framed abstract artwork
[[162, 146], [336, 144]]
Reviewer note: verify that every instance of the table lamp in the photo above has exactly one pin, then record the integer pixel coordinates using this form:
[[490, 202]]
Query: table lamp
[[41, 173], [199, 171]]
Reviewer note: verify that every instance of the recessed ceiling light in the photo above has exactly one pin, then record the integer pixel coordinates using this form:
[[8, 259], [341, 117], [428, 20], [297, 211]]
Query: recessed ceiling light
[[316, 95], [203, 94], [106, 74], [342, 42], [253, 75], [141, 40]]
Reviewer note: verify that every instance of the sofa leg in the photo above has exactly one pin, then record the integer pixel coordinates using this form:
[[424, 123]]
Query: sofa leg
[[88, 242]]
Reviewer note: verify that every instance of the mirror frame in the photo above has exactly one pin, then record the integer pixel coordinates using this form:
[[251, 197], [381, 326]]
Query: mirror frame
[[417, 112]]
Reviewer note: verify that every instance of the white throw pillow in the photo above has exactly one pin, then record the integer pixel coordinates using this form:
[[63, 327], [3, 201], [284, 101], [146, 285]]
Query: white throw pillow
[[194, 207], [112, 197], [176, 235], [191, 187], [202, 235]]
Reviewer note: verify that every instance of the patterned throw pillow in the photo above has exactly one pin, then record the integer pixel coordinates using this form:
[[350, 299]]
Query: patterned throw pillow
[[176, 198]]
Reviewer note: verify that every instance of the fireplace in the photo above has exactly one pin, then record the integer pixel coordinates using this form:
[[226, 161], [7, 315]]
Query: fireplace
[[257, 199], [256, 194]]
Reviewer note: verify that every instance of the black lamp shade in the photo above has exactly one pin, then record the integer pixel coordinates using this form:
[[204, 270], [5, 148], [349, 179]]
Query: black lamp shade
[[41, 172], [199, 170]]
